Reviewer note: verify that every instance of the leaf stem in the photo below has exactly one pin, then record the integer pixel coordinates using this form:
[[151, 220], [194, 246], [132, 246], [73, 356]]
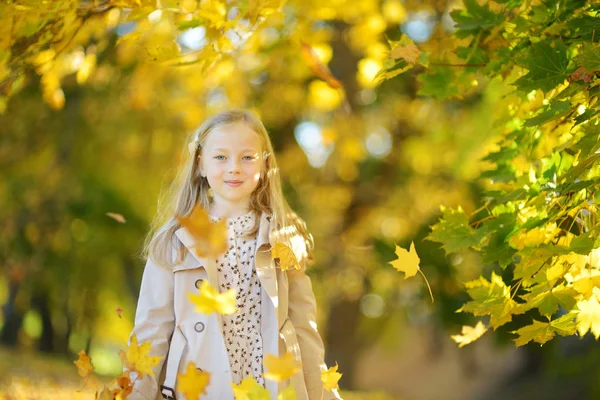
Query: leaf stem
[[427, 282]]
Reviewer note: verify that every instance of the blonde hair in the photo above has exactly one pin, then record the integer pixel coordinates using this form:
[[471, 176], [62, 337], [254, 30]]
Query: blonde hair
[[190, 188]]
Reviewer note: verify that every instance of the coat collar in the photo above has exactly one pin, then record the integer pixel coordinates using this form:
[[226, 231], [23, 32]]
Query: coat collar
[[262, 258]]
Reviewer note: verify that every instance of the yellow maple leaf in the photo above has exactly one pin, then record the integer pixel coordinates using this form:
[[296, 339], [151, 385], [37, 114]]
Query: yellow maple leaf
[[280, 368], [137, 358], [469, 334], [407, 262], [287, 258], [588, 317], [193, 382], [331, 377], [84, 364], [210, 238], [249, 389], [410, 53], [210, 300]]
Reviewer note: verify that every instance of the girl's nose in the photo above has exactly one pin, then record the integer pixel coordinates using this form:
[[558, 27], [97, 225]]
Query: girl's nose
[[234, 166]]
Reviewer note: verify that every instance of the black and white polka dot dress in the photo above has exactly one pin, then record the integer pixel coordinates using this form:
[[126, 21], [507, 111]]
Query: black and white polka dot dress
[[241, 330]]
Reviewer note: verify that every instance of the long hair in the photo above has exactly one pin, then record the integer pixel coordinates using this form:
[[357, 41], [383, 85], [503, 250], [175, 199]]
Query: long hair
[[190, 189]]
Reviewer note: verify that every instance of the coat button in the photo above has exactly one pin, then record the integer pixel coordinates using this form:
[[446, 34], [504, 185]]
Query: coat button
[[198, 283], [199, 327]]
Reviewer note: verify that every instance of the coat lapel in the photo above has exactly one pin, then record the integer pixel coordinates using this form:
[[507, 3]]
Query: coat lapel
[[262, 260], [193, 260]]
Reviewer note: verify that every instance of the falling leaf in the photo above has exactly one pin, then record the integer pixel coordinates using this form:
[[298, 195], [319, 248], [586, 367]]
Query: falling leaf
[[287, 258], [249, 389], [84, 364], [469, 334], [210, 300], [280, 369], [407, 262], [210, 238], [193, 382], [318, 68], [117, 217], [330, 378], [137, 358], [119, 311]]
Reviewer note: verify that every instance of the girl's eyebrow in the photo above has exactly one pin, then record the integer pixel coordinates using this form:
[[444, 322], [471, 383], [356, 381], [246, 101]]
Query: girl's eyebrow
[[244, 150]]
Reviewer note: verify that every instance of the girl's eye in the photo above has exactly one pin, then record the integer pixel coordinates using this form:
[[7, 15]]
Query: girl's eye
[[219, 157], [249, 158]]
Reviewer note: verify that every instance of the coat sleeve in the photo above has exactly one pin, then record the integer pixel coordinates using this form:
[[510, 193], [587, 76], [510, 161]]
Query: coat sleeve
[[154, 322], [302, 310]]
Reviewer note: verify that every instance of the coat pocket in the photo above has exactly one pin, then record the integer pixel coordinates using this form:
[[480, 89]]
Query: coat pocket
[[176, 349]]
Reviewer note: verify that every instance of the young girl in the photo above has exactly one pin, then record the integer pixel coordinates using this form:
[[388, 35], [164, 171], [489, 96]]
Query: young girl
[[233, 176]]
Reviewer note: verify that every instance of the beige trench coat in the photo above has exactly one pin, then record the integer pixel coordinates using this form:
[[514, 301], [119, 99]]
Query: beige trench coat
[[166, 318]]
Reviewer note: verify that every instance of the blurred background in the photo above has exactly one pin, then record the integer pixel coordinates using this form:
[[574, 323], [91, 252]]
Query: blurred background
[[97, 121]]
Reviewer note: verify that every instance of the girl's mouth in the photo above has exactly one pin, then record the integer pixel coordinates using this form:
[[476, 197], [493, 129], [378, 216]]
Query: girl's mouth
[[234, 183]]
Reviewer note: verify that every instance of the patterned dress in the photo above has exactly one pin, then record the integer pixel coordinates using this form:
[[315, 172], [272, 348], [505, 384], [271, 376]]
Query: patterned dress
[[241, 330]]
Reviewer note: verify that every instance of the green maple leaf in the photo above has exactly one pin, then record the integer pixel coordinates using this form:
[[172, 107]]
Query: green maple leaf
[[542, 332], [474, 17], [586, 27], [589, 57], [490, 298], [547, 300], [547, 64], [583, 244], [453, 231], [438, 82], [554, 110]]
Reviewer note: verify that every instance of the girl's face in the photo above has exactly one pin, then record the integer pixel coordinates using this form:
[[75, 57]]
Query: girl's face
[[231, 160]]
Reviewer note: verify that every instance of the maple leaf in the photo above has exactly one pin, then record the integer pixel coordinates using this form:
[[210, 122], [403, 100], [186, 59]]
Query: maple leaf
[[210, 238], [193, 382], [588, 317], [490, 298], [331, 377], [410, 53], [210, 300], [542, 332], [287, 258], [249, 389], [408, 262], [137, 358], [280, 368], [84, 364], [469, 334]]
